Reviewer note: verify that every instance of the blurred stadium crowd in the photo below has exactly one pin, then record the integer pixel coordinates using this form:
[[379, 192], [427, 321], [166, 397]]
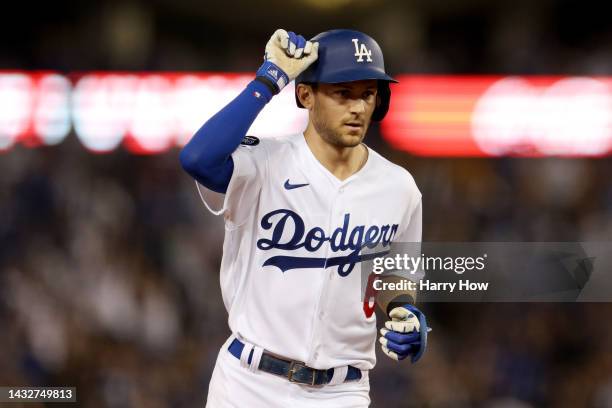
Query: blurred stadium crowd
[[109, 263]]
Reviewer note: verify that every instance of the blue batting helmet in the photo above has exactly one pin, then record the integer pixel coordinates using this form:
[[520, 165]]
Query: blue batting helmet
[[345, 56]]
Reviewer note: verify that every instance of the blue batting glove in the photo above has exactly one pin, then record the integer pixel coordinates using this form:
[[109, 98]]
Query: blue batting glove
[[405, 334]]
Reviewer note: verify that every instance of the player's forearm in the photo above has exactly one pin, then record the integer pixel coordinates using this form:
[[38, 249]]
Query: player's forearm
[[389, 299], [207, 156]]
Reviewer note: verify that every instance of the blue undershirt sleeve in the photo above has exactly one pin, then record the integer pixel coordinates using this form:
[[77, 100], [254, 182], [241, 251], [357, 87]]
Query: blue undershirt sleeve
[[207, 156]]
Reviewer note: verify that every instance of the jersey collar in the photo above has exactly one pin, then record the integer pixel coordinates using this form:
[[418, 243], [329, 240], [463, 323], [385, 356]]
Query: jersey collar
[[309, 156]]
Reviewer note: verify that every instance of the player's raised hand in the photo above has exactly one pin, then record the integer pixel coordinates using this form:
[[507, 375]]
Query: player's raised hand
[[405, 334], [287, 55]]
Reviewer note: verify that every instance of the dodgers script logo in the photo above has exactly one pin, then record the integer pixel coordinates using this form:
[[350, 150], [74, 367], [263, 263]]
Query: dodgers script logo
[[341, 239], [362, 51]]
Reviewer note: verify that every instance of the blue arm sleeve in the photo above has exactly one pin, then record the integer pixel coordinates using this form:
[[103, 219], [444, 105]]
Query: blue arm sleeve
[[207, 156]]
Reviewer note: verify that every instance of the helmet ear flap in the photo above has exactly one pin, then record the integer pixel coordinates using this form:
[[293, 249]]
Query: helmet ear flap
[[382, 101]]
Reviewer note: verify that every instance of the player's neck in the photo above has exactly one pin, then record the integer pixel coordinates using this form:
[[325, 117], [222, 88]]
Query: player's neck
[[342, 162]]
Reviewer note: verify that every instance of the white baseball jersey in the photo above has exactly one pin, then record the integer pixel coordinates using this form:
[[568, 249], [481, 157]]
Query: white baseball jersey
[[291, 268]]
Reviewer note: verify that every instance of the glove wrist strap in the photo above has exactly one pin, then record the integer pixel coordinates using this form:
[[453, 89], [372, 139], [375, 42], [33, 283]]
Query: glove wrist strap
[[271, 75]]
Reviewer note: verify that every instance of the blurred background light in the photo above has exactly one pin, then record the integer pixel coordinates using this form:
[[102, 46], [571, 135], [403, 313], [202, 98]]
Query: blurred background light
[[453, 116], [501, 116]]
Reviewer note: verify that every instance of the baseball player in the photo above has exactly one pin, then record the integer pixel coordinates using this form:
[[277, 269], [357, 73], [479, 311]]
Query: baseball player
[[300, 212]]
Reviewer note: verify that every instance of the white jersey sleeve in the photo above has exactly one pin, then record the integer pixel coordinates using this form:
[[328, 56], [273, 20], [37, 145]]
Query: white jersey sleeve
[[250, 169]]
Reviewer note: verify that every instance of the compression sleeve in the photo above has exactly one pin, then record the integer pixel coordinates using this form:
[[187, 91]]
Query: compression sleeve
[[207, 156]]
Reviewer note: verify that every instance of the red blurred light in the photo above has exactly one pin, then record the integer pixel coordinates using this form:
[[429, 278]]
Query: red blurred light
[[495, 116]]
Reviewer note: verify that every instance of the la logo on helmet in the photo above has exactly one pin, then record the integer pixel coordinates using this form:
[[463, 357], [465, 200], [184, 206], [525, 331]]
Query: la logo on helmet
[[362, 51]]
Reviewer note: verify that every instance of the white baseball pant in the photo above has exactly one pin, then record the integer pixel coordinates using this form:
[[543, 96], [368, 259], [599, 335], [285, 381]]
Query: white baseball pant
[[234, 384]]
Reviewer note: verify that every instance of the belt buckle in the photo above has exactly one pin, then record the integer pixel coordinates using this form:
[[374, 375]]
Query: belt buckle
[[293, 367]]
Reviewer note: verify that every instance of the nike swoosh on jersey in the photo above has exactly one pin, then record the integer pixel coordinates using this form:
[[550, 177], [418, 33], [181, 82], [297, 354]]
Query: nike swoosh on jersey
[[289, 186]]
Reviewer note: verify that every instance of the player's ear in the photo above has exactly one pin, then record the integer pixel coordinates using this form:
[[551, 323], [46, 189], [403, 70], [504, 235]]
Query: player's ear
[[305, 94]]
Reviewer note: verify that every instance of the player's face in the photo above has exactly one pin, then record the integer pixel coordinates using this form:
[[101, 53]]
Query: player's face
[[341, 113]]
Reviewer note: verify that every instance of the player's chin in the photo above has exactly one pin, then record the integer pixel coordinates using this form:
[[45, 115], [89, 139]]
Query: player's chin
[[351, 141], [353, 137]]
